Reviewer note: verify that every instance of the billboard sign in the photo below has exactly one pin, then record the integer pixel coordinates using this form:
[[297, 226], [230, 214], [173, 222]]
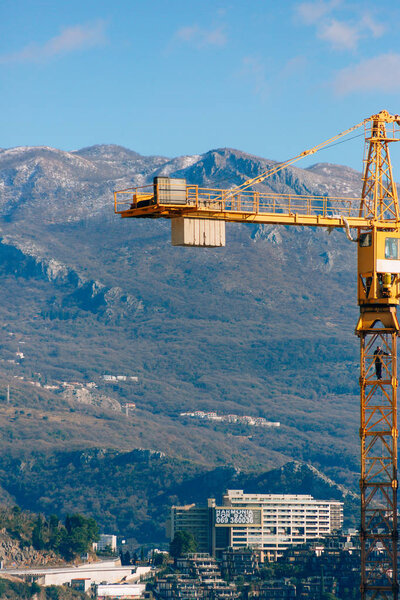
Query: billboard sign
[[228, 517]]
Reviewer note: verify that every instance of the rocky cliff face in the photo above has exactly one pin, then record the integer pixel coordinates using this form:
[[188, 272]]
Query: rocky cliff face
[[13, 555]]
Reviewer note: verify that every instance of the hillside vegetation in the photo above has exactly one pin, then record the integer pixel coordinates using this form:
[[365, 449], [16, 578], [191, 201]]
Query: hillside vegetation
[[28, 538], [133, 492]]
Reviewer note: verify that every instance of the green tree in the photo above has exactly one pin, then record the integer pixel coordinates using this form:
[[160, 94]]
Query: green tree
[[57, 533], [37, 534], [266, 573], [160, 559], [81, 532], [183, 542], [52, 593], [35, 588]]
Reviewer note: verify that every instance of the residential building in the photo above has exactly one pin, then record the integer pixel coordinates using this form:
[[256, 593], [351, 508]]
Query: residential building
[[108, 541], [281, 589], [312, 588], [198, 577], [267, 523], [239, 561], [198, 520]]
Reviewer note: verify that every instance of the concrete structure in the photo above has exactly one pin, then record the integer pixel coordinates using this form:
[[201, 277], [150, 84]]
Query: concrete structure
[[115, 378], [197, 232], [267, 523], [100, 572], [123, 590]]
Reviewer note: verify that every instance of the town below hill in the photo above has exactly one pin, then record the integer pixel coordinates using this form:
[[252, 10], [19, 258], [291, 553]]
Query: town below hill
[[46, 559]]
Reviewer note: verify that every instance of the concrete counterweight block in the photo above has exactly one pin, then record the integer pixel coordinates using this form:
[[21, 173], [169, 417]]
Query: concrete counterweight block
[[205, 233]]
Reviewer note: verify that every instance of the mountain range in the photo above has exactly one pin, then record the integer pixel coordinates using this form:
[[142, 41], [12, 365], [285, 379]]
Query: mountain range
[[262, 327]]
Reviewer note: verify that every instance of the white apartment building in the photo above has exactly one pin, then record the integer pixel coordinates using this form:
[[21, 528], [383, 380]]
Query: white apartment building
[[273, 522], [268, 523], [107, 541]]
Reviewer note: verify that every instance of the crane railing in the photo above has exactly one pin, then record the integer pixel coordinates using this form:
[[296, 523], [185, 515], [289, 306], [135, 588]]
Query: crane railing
[[254, 202], [144, 200]]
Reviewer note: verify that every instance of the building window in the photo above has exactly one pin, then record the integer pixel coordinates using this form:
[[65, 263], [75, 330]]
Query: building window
[[391, 248], [365, 240]]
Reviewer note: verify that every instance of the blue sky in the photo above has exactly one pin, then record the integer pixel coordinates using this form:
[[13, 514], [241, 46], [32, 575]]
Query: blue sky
[[177, 77]]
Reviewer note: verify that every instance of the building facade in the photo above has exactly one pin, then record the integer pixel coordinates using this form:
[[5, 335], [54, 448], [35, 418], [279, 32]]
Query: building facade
[[268, 523], [107, 541], [196, 519]]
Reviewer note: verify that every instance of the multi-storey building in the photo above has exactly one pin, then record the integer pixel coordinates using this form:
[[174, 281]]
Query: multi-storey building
[[268, 523], [107, 541], [197, 577], [196, 519], [239, 561], [282, 589]]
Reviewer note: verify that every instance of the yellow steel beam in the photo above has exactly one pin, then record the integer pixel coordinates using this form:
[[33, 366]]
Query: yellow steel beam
[[378, 436], [261, 218]]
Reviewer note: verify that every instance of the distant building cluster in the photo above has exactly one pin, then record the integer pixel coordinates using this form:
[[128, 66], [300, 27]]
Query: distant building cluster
[[267, 523], [311, 571], [73, 385], [246, 419], [114, 378], [199, 577], [57, 385]]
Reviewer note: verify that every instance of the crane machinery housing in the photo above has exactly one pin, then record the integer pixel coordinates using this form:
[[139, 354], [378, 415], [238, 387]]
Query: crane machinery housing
[[198, 217]]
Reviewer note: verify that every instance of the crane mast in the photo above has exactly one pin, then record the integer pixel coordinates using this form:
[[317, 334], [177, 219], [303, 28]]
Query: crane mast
[[376, 217], [378, 327]]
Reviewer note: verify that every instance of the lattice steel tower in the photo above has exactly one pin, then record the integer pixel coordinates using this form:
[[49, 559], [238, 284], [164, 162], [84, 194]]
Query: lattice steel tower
[[378, 328]]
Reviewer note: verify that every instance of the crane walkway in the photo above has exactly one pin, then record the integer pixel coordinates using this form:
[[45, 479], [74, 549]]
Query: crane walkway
[[244, 206]]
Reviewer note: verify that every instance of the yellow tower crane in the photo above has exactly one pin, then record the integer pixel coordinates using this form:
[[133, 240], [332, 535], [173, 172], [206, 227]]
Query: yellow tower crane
[[197, 218]]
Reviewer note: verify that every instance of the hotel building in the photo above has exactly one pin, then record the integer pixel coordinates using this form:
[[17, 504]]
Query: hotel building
[[268, 523]]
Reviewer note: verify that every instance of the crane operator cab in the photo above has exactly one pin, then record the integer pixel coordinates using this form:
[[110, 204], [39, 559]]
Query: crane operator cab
[[378, 267]]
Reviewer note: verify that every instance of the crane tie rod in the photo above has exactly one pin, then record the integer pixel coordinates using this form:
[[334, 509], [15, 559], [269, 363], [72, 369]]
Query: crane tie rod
[[280, 166], [382, 116]]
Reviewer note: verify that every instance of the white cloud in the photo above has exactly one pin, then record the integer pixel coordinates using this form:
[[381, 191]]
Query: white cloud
[[378, 74], [201, 38], [70, 39], [368, 23], [340, 35], [312, 12], [293, 66], [254, 72]]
